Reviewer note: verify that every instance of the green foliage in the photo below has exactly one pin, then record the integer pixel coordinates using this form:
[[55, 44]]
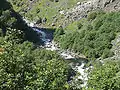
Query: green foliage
[[93, 39], [79, 25], [10, 20], [92, 16], [51, 0], [23, 67], [43, 8], [17, 68], [14, 36], [58, 32], [52, 75], [6, 19], [105, 77]]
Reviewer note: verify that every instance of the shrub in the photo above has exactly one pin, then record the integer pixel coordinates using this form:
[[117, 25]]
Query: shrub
[[105, 77], [93, 39], [79, 25], [92, 16]]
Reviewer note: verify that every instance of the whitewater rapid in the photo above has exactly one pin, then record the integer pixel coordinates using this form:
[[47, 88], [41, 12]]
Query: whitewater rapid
[[67, 55]]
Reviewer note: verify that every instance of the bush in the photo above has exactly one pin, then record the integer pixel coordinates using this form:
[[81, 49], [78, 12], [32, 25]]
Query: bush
[[105, 77], [93, 39], [79, 25], [23, 67], [92, 16]]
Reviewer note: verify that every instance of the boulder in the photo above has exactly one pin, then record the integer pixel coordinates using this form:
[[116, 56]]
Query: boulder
[[44, 20], [39, 21], [56, 0], [78, 3], [53, 24]]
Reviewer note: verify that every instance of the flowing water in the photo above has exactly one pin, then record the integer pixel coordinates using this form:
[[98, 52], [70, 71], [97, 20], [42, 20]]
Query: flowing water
[[49, 44], [80, 68]]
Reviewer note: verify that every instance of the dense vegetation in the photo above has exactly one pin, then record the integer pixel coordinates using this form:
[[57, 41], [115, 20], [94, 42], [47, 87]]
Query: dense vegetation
[[92, 36], [24, 66], [10, 20], [105, 77]]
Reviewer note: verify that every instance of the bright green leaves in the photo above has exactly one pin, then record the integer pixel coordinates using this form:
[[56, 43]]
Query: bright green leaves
[[52, 75], [24, 67], [93, 38], [17, 68], [105, 77]]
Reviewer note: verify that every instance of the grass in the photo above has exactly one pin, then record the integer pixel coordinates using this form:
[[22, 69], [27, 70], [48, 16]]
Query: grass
[[47, 9]]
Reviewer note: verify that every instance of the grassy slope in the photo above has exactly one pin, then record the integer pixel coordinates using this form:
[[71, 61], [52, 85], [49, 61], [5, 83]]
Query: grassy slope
[[41, 9]]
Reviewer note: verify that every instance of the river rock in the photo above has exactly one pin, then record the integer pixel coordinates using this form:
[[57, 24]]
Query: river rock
[[39, 21], [116, 46], [53, 24], [79, 3], [62, 12], [44, 20], [56, 0], [83, 8]]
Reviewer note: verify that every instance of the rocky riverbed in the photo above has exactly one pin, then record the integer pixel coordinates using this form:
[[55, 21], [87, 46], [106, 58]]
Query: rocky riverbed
[[67, 55], [76, 62]]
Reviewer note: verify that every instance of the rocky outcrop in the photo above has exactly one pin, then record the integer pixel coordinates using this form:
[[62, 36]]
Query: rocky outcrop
[[83, 8], [116, 47]]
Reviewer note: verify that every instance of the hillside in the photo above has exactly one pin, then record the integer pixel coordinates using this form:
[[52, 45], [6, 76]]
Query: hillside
[[12, 20], [39, 10], [51, 13], [23, 65], [59, 45]]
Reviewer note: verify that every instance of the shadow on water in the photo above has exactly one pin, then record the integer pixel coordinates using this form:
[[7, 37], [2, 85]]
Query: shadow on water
[[48, 31], [17, 22]]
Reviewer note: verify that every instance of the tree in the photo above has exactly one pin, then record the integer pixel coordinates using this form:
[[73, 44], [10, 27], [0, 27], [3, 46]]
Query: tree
[[23, 67], [105, 77], [94, 38], [11, 19], [17, 68], [14, 36], [52, 75]]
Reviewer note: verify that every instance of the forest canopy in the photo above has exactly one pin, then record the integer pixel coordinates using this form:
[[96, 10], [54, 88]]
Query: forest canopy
[[93, 36], [26, 65]]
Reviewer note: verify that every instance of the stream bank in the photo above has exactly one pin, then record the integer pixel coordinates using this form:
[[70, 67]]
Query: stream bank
[[77, 63]]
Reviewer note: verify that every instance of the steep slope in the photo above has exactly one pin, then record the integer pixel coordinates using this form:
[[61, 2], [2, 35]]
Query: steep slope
[[43, 12], [9, 19], [83, 8], [88, 29], [48, 13], [22, 65]]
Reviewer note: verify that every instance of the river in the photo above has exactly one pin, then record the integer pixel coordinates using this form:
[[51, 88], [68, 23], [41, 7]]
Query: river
[[77, 65]]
